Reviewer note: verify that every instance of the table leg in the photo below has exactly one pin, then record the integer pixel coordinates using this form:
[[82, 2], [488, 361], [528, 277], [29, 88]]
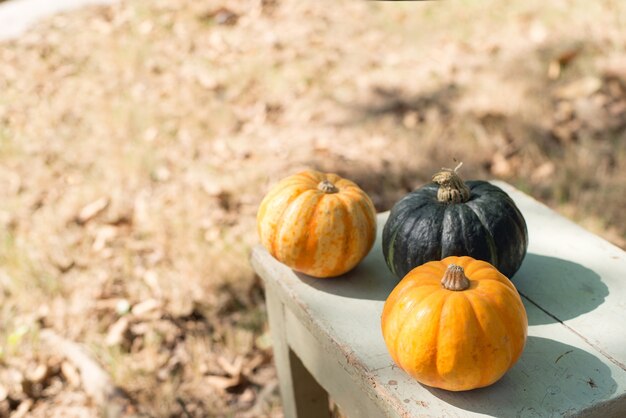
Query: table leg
[[302, 396]]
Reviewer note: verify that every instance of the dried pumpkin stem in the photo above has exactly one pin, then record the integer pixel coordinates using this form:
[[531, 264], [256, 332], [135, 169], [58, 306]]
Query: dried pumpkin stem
[[327, 187], [455, 279], [452, 189]]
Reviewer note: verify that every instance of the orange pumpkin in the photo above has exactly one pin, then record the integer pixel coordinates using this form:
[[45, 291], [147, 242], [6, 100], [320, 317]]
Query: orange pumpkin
[[455, 324], [319, 224]]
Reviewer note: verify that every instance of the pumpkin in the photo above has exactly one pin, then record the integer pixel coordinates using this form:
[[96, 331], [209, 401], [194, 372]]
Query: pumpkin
[[318, 224], [453, 217], [455, 324]]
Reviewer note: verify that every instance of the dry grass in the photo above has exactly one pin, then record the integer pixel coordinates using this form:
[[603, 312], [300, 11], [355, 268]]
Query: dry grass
[[179, 124]]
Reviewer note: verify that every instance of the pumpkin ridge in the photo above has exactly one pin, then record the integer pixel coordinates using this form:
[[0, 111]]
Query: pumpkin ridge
[[464, 234], [434, 268], [480, 269], [342, 260], [438, 299], [479, 265], [506, 317], [347, 184], [518, 234], [391, 229], [506, 283], [281, 218], [440, 325], [410, 315], [313, 175], [416, 287], [284, 229], [482, 279], [401, 226], [401, 291], [310, 243], [464, 227], [483, 335], [368, 214], [325, 256], [493, 251], [353, 192], [392, 248], [474, 299], [471, 221], [522, 229], [276, 190], [416, 255], [278, 232], [442, 234], [285, 184], [368, 210], [521, 225], [510, 349], [509, 286]]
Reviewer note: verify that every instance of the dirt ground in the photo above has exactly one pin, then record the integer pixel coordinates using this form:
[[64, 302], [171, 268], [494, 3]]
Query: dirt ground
[[137, 140]]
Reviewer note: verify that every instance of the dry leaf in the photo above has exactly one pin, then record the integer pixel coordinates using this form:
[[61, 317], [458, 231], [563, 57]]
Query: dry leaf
[[410, 119], [117, 332], [70, 373], [22, 409], [590, 114], [617, 108], [161, 174], [537, 32], [103, 236], [232, 369], [248, 396], [92, 210], [212, 188], [257, 360], [500, 166], [39, 374], [144, 307], [61, 260], [543, 172], [140, 328], [222, 382], [579, 88], [223, 16], [151, 279], [106, 304], [554, 70], [566, 57]]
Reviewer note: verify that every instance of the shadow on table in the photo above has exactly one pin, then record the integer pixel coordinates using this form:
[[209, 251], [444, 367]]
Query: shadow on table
[[369, 280], [575, 380], [562, 288]]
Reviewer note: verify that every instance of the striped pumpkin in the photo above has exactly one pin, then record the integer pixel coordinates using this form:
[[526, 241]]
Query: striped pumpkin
[[319, 224]]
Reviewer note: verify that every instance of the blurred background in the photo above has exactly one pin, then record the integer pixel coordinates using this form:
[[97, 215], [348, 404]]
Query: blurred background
[[138, 138]]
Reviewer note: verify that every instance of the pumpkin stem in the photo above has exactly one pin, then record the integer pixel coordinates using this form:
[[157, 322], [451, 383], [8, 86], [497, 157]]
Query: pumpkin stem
[[327, 187], [452, 189], [454, 278]]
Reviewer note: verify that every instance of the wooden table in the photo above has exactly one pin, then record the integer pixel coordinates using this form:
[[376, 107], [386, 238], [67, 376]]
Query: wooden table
[[327, 338]]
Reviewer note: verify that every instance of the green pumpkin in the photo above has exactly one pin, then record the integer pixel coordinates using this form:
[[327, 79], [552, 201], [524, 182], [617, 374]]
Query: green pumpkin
[[451, 217]]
